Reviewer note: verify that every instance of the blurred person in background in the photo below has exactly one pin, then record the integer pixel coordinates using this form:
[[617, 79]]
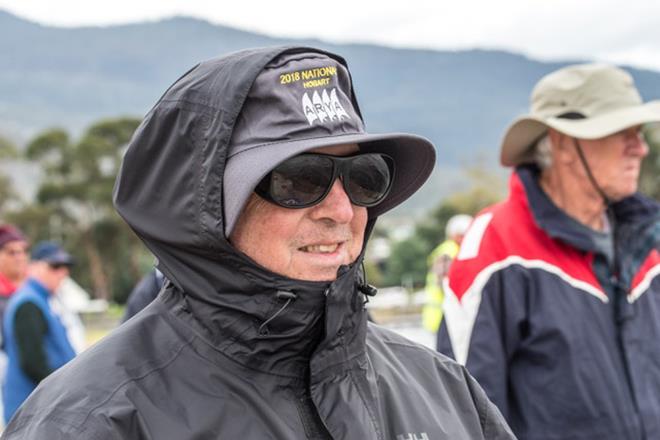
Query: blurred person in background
[[255, 184], [145, 291], [36, 342], [13, 270], [439, 262], [13, 262], [553, 302]]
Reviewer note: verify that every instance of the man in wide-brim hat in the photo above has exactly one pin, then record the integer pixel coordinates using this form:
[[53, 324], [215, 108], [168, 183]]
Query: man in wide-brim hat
[[553, 302]]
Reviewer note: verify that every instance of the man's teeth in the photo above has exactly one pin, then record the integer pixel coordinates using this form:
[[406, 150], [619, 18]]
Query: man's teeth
[[321, 248]]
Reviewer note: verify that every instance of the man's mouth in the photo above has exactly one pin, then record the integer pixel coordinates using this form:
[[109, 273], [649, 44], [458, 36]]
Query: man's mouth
[[321, 248]]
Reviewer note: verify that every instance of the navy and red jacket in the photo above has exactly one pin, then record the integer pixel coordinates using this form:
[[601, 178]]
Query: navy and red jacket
[[566, 345]]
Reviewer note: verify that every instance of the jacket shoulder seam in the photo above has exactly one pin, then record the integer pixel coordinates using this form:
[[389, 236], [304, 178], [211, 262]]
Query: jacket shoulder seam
[[128, 381]]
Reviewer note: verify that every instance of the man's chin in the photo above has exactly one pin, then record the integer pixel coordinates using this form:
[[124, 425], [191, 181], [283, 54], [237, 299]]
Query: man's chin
[[316, 277], [617, 197], [317, 273]]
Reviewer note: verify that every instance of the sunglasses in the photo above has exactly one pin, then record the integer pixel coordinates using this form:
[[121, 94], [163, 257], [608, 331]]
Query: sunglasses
[[305, 180], [57, 266], [14, 252]]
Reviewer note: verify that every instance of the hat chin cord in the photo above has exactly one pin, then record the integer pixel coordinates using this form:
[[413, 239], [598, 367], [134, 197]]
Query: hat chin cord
[[608, 211], [590, 175]]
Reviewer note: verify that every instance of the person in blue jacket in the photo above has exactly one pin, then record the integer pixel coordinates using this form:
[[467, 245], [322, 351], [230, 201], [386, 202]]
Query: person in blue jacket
[[553, 302], [36, 341]]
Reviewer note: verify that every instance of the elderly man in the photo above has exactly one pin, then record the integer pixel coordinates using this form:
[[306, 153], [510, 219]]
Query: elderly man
[[36, 341], [255, 185], [553, 302]]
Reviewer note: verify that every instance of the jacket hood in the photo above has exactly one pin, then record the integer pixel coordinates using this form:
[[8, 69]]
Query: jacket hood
[[169, 190], [170, 185]]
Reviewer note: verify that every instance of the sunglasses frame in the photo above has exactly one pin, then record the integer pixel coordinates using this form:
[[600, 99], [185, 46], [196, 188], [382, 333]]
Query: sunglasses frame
[[340, 167], [58, 266]]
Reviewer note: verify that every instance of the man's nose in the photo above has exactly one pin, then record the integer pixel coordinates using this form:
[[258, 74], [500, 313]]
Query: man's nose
[[336, 206], [636, 144]]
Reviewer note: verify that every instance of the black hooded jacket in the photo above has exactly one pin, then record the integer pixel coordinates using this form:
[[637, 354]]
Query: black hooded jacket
[[204, 361]]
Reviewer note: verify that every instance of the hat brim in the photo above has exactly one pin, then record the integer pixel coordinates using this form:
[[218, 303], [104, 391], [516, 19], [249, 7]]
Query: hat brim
[[414, 158], [60, 260], [524, 131]]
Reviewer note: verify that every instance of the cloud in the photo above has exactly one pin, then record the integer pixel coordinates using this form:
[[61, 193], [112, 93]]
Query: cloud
[[609, 30]]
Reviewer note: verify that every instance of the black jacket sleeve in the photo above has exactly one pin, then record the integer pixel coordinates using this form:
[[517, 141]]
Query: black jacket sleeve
[[30, 327]]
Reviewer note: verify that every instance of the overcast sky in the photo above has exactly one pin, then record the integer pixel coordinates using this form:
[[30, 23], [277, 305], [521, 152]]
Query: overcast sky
[[618, 31]]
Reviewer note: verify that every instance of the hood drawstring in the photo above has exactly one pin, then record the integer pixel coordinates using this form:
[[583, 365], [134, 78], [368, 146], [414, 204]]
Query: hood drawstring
[[368, 289], [281, 294], [363, 286]]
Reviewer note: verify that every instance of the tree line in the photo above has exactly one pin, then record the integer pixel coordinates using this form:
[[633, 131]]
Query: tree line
[[73, 205]]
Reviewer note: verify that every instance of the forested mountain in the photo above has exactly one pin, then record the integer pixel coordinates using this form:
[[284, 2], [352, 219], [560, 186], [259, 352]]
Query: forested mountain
[[70, 77]]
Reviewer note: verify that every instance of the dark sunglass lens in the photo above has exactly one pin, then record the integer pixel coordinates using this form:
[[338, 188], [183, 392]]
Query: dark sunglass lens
[[301, 180], [369, 179]]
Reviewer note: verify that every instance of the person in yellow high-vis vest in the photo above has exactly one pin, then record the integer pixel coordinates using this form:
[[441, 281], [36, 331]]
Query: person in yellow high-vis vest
[[439, 261]]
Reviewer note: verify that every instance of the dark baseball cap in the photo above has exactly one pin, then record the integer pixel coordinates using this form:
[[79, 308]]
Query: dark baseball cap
[[301, 101], [51, 253], [10, 233]]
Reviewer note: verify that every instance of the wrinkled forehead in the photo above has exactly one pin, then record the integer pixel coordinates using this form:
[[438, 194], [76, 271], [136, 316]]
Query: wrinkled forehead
[[14, 245]]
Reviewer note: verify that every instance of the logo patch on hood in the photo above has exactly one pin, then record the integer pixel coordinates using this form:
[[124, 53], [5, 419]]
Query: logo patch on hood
[[323, 107]]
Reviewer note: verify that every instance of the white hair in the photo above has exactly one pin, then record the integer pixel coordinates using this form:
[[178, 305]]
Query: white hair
[[458, 225], [542, 152]]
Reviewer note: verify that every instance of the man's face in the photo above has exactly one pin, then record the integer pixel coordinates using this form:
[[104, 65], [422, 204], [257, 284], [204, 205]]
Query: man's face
[[615, 161], [50, 275], [306, 244], [58, 274], [14, 260]]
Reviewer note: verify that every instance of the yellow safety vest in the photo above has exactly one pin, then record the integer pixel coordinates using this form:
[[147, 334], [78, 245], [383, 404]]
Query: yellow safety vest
[[432, 311]]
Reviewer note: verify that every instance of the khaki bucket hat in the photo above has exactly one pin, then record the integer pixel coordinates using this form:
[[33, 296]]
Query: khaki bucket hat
[[585, 101]]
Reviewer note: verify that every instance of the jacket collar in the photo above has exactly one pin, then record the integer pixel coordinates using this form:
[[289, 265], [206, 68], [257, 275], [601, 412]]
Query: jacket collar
[[37, 287], [228, 307], [325, 323], [548, 216], [635, 209]]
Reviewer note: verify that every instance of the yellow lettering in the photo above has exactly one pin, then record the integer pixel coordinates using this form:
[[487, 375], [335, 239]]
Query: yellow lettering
[[310, 75], [316, 83]]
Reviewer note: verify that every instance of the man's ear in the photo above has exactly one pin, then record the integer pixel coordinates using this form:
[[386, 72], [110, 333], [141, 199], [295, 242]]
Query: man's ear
[[563, 150]]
